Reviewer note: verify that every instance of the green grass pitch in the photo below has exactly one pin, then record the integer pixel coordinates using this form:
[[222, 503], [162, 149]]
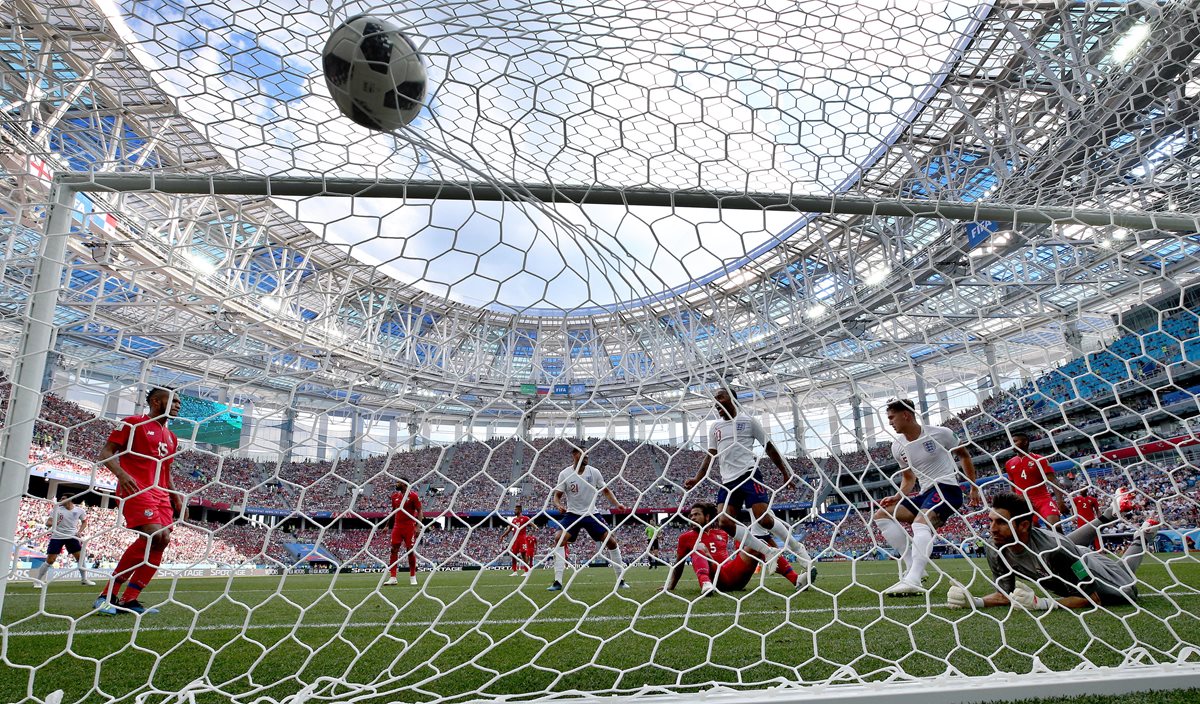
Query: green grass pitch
[[466, 634]]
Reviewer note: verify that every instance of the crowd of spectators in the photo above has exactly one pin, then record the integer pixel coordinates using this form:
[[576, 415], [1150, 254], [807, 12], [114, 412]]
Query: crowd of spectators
[[46, 462], [476, 476], [225, 481], [106, 540], [1134, 357]]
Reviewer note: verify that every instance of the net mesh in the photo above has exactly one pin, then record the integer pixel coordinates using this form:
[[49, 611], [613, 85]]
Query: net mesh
[[325, 347]]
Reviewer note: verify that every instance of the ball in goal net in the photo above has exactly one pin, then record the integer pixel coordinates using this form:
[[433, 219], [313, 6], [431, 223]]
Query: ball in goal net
[[772, 351]]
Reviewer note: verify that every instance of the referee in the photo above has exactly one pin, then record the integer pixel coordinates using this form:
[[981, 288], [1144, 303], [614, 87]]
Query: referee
[[652, 540]]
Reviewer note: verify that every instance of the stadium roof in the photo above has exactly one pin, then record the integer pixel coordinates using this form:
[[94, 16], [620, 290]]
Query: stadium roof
[[1052, 104]]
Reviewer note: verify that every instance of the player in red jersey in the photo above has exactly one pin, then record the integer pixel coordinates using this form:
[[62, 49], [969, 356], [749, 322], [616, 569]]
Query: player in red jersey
[[518, 548], [406, 507], [1087, 507], [708, 547], [1032, 477], [140, 452], [530, 547]]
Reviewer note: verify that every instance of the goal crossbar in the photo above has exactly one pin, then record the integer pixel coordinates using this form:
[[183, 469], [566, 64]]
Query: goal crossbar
[[193, 184]]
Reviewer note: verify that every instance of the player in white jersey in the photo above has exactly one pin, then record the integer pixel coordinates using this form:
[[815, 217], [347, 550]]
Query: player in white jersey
[[575, 496], [925, 454], [66, 523], [731, 443]]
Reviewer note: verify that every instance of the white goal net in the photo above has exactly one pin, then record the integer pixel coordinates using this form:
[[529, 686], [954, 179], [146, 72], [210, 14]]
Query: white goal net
[[872, 327]]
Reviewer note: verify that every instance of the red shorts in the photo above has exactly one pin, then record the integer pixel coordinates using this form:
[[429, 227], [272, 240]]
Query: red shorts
[[146, 508], [1043, 504], [734, 574], [404, 533]]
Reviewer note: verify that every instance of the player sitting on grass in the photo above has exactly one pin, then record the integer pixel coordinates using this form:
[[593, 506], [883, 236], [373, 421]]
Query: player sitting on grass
[[1062, 565], [708, 546]]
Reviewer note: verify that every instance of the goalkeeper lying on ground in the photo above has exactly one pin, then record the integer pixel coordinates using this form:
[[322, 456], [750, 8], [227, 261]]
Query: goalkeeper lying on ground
[[1062, 565]]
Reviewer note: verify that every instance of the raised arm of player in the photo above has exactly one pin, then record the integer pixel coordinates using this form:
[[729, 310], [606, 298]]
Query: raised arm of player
[[964, 458], [108, 458], [691, 483]]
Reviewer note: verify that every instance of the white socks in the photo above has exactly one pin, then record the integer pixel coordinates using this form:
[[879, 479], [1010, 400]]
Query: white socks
[[921, 550], [614, 560], [897, 537], [42, 570], [560, 564], [783, 533], [82, 571], [743, 537]]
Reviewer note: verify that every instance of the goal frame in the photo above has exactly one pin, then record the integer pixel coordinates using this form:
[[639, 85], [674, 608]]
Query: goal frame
[[1017, 214], [38, 336]]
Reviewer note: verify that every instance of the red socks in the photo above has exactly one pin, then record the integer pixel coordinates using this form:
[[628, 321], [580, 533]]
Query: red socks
[[702, 568], [126, 567], [784, 568], [135, 567], [142, 575]]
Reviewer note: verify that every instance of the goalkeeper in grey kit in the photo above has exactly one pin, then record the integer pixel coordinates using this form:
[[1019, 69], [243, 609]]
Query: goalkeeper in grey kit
[[1064, 565]]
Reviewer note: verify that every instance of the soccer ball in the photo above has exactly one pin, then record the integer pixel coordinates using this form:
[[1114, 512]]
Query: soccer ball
[[374, 73]]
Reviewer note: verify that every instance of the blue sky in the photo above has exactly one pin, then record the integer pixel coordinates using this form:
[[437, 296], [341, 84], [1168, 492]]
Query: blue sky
[[781, 96]]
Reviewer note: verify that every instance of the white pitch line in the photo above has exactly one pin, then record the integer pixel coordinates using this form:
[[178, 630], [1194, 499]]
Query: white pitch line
[[533, 620], [36, 594]]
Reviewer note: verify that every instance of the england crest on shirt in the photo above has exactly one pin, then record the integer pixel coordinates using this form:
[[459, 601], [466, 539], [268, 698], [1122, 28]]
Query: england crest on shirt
[[929, 445]]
